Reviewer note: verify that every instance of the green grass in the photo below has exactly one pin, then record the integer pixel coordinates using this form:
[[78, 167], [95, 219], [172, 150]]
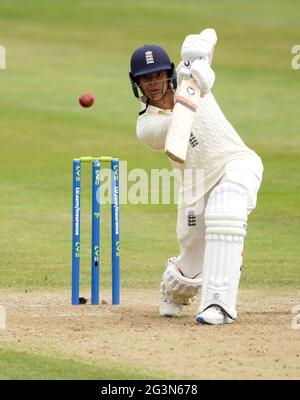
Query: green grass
[[58, 49], [25, 366]]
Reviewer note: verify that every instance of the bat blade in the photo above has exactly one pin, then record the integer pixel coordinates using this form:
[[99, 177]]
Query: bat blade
[[179, 130]]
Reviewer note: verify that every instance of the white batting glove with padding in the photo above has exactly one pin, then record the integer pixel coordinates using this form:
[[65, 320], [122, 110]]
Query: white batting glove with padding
[[203, 75], [199, 46], [182, 72]]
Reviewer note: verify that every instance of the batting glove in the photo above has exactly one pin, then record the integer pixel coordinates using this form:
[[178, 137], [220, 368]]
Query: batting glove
[[182, 72], [204, 76], [199, 46]]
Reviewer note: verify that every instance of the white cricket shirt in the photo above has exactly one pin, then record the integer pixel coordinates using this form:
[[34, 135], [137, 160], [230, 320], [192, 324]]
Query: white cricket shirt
[[213, 143]]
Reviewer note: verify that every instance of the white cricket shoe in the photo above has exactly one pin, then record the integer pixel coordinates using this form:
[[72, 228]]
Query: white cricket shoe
[[214, 315], [169, 309]]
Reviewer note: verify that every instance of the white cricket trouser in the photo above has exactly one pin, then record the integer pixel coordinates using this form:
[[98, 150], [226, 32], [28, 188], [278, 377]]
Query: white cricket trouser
[[191, 228]]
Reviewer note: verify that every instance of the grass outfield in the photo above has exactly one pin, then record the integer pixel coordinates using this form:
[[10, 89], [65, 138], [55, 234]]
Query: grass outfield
[[23, 365], [58, 49]]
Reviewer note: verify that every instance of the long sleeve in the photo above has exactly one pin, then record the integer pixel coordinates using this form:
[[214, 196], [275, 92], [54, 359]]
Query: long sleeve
[[152, 128]]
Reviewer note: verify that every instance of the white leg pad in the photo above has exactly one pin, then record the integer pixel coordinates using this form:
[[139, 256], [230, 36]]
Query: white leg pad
[[176, 287], [226, 224]]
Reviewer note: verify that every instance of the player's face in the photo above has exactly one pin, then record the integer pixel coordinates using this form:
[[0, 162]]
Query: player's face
[[155, 85]]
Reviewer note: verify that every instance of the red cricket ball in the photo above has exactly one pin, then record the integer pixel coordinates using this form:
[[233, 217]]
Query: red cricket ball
[[86, 99]]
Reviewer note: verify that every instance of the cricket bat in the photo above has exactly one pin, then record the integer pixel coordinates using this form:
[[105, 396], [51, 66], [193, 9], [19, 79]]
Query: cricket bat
[[187, 98], [179, 131]]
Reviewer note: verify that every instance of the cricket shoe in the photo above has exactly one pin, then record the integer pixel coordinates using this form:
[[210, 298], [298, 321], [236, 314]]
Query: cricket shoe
[[214, 315], [169, 309]]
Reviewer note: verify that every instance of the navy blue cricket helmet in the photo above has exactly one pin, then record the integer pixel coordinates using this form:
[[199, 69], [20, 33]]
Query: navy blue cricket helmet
[[150, 59]]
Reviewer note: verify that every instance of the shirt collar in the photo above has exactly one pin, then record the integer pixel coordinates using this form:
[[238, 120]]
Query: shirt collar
[[157, 110]]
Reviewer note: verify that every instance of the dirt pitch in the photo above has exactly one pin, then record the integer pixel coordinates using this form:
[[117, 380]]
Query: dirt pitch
[[261, 344]]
